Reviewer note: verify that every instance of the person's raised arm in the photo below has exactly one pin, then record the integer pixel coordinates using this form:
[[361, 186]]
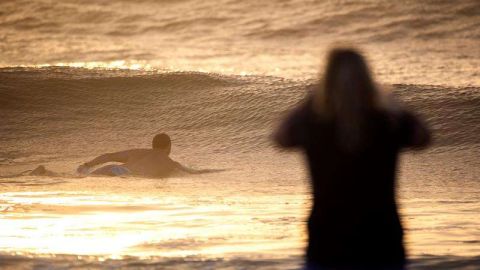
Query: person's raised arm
[[291, 133], [416, 133], [109, 157], [182, 168]]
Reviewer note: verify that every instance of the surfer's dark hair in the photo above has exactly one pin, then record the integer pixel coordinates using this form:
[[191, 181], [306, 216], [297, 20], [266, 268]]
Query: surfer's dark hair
[[161, 141]]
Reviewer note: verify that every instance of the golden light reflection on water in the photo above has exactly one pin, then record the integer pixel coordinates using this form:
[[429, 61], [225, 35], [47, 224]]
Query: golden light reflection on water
[[152, 66], [211, 225], [114, 226], [442, 227]]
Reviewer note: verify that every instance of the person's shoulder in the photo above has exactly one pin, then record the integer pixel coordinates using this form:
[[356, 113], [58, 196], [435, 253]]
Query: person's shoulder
[[138, 150], [135, 152]]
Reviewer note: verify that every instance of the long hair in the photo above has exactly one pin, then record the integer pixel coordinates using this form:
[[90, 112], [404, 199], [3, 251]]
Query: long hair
[[347, 95]]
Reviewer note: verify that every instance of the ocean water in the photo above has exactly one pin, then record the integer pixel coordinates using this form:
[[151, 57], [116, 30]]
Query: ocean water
[[81, 78]]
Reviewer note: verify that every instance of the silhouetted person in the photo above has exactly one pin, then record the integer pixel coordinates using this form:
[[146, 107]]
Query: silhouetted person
[[154, 162], [351, 135]]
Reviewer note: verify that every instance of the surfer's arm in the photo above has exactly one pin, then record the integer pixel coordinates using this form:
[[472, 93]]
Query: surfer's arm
[[109, 157], [182, 168]]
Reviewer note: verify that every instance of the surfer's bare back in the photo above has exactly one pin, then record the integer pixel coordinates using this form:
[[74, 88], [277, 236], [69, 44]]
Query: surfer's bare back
[[154, 162]]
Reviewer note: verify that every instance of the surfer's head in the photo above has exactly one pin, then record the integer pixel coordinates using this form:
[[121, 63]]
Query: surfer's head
[[162, 141]]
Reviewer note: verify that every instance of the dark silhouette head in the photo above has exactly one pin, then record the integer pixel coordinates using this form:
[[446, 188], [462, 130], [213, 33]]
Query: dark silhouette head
[[347, 94], [348, 81], [162, 141]]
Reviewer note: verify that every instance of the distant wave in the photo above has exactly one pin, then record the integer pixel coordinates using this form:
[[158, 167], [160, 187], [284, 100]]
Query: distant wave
[[361, 20], [75, 74], [176, 26], [254, 37], [381, 21]]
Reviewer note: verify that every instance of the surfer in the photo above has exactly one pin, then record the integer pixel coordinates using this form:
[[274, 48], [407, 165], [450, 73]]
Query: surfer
[[154, 162], [351, 135]]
